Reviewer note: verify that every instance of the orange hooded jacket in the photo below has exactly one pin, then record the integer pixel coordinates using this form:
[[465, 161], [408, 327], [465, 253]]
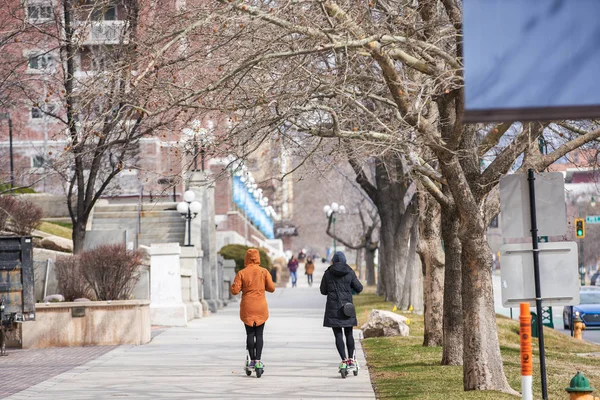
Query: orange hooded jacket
[[252, 281]]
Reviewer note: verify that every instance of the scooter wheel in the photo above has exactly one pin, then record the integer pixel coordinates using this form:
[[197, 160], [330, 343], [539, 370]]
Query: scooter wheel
[[355, 372], [248, 372], [259, 373], [344, 373]]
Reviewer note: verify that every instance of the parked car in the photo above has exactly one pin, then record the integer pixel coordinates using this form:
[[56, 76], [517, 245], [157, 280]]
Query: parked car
[[588, 308]]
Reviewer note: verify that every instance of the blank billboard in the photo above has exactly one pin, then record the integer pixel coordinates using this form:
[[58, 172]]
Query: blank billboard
[[531, 59]]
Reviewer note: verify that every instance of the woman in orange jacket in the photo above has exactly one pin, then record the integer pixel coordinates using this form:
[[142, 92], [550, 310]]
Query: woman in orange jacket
[[309, 270], [252, 281]]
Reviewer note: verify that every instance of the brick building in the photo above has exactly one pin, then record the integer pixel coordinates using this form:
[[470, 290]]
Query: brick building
[[35, 99]]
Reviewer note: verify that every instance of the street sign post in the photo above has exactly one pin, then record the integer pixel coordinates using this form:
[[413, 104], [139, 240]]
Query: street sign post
[[522, 199], [559, 284], [550, 205]]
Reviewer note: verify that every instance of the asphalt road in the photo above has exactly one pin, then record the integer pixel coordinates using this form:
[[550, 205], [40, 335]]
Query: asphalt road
[[591, 335]]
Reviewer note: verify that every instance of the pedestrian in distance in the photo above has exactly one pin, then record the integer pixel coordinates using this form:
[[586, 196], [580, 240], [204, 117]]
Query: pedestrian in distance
[[309, 270], [253, 280], [301, 255], [293, 267], [337, 284]]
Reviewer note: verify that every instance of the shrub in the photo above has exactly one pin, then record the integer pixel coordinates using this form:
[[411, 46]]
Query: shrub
[[26, 217], [6, 206], [71, 283], [111, 271], [237, 252], [19, 216]]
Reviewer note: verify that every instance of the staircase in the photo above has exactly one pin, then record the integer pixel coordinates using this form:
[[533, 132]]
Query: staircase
[[159, 222]]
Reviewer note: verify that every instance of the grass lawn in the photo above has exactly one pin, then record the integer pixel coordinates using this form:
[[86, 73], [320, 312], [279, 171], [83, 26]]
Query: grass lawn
[[57, 229], [401, 368]]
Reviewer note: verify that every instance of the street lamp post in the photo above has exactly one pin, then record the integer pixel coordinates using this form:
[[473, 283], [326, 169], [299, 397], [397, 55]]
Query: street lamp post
[[330, 211], [188, 209], [200, 138], [10, 149]]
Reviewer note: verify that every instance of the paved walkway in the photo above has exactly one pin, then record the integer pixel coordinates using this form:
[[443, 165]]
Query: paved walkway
[[24, 368], [205, 360]]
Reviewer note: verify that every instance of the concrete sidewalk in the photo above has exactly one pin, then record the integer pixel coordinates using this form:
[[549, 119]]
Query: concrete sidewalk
[[205, 360]]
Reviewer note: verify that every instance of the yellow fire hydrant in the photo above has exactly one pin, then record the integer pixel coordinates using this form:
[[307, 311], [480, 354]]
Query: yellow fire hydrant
[[580, 389], [578, 328]]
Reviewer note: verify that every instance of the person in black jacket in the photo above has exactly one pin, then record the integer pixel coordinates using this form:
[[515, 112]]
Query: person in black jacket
[[337, 284]]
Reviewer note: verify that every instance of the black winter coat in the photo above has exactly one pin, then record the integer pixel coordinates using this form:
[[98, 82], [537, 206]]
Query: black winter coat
[[337, 284]]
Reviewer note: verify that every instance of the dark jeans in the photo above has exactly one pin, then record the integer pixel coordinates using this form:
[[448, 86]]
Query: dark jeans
[[254, 340], [339, 341], [310, 279]]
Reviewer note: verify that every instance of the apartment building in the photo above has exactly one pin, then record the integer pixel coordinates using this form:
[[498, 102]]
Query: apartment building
[[33, 113]]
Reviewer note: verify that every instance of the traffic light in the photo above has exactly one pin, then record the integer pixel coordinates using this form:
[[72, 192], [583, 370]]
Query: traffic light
[[579, 228]]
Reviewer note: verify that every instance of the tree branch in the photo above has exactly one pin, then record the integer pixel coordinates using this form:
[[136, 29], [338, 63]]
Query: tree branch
[[492, 138], [363, 180]]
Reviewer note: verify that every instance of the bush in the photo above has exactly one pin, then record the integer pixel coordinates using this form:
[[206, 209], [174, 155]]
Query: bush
[[111, 271], [26, 217], [19, 216], [237, 252], [71, 283], [6, 206]]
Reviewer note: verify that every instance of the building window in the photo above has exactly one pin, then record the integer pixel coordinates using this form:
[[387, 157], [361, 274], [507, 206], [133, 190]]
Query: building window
[[38, 12], [108, 13], [38, 161], [38, 113], [40, 61], [94, 58]]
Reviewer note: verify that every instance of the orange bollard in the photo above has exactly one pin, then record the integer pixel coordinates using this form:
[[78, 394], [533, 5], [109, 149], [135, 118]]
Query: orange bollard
[[526, 352]]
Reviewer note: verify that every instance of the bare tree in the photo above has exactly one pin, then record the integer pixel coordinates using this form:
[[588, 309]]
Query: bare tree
[[109, 74], [388, 75]]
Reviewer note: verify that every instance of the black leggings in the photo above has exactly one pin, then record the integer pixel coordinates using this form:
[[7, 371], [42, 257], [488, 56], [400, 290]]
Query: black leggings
[[254, 340], [339, 341]]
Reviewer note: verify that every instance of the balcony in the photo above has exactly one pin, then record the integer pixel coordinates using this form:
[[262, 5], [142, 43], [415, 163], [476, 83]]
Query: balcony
[[101, 32]]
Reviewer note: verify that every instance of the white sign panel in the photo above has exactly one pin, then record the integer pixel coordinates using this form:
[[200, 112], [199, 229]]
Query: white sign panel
[[551, 210], [559, 278]]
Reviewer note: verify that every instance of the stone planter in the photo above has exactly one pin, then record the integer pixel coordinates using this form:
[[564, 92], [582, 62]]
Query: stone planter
[[88, 323]]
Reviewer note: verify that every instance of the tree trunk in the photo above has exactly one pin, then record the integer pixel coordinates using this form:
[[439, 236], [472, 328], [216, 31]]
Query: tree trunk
[[453, 318], [482, 368], [412, 295], [398, 254], [388, 194], [78, 235], [370, 264], [359, 264], [432, 261], [387, 259]]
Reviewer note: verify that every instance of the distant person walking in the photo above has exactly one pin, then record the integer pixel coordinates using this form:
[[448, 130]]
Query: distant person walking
[[252, 281], [338, 283], [293, 267], [309, 269]]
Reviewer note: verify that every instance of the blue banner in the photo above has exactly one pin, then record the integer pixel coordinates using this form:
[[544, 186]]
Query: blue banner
[[250, 207]]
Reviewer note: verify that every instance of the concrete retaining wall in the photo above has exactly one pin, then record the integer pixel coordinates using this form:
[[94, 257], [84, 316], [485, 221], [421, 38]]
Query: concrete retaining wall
[[93, 323]]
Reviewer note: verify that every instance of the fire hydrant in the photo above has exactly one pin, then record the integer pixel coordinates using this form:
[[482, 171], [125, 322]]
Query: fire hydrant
[[580, 388], [578, 327]]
